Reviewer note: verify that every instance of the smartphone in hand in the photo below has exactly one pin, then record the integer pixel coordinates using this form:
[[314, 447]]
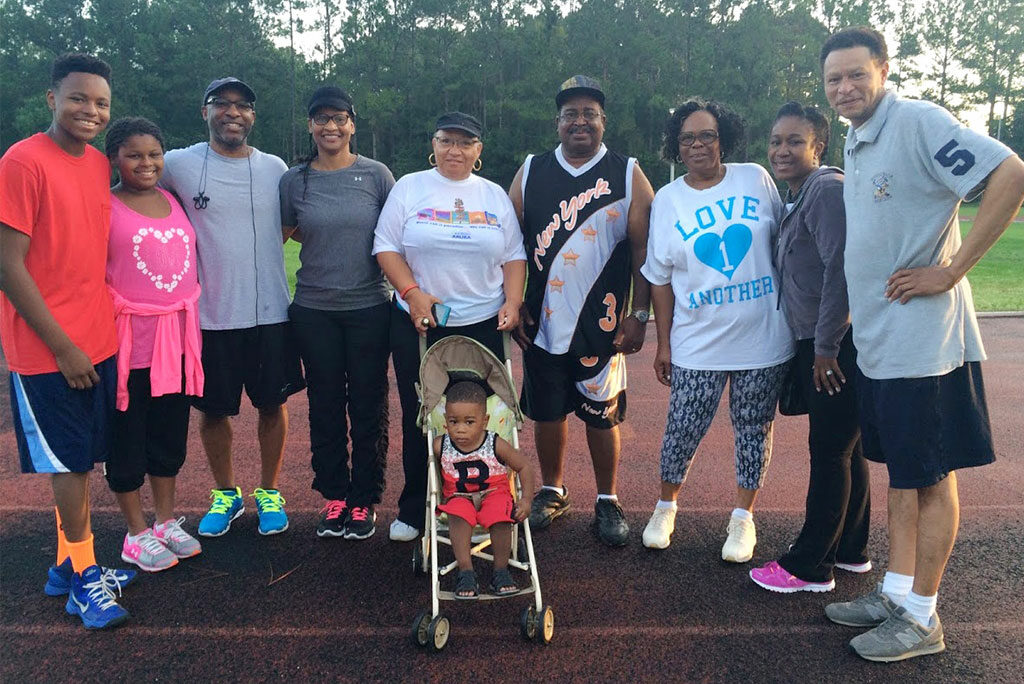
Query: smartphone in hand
[[440, 313]]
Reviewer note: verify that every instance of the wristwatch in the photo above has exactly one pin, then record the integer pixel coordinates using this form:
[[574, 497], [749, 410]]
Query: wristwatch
[[642, 315]]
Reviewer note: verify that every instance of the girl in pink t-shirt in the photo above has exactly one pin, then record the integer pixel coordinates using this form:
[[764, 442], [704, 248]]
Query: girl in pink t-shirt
[[151, 273]]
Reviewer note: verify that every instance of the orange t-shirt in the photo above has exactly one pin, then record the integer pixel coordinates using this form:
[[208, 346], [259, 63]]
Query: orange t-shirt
[[63, 204]]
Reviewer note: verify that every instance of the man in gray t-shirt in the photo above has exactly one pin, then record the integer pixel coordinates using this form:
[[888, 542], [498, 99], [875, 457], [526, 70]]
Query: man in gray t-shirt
[[922, 402], [229, 191]]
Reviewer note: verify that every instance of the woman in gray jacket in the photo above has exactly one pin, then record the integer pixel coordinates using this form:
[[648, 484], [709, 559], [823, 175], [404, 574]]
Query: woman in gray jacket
[[809, 258]]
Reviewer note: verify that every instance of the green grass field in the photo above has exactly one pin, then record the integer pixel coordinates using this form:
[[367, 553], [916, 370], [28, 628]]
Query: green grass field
[[291, 262], [997, 280]]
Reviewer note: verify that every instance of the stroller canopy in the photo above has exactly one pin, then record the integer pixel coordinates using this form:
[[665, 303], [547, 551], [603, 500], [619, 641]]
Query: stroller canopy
[[462, 358]]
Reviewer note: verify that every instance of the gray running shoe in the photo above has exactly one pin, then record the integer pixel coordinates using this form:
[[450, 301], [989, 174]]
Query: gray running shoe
[[178, 541], [898, 638], [869, 610], [547, 505]]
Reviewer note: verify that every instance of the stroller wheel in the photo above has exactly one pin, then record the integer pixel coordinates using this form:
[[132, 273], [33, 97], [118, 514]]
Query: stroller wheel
[[546, 625], [437, 633], [418, 561], [419, 628], [528, 623]]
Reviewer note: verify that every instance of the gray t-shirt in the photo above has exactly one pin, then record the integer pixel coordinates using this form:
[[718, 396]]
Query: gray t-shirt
[[238, 234], [907, 168], [336, 213]]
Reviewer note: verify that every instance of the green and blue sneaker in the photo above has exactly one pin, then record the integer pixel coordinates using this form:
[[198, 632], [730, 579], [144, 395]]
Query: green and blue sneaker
[[58, 578], [92, 599], [226, 506], [270, 506]]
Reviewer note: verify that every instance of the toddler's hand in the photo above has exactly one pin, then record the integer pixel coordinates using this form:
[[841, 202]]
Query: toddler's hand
[[521, 510]]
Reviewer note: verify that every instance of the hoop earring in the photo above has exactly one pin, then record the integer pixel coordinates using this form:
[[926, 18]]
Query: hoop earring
[[431, 159], [477, 165]]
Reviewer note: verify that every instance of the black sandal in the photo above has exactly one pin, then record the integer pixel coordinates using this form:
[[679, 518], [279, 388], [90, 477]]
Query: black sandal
[[466, 588], [502, 583]]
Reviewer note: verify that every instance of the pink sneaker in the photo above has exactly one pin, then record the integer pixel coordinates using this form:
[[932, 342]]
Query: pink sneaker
[[178, 541], [774, 577], [148, 552]]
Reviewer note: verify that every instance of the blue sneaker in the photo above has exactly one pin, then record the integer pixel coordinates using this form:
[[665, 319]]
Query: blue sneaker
[[226, 506], [270, 505], [58, 578], [92, 599]]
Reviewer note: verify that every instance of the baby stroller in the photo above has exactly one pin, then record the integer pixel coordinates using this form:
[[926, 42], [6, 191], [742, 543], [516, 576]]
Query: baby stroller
[[451, 360]]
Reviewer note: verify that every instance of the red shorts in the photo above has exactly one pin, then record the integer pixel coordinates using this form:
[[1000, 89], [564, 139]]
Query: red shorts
[[496, 507]]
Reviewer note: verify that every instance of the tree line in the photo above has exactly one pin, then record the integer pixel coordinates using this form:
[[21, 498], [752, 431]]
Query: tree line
[[406, 61]]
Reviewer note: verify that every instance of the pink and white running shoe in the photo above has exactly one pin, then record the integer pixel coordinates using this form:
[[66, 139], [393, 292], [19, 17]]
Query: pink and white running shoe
[[177, 540], [774, 577], [148, 552]]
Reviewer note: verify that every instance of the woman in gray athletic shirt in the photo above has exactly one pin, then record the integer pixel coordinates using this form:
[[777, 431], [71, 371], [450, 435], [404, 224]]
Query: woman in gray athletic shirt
[[341, 315]]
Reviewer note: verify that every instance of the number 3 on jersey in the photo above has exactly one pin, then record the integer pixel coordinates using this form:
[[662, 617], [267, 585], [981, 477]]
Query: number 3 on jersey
[[611, 317]]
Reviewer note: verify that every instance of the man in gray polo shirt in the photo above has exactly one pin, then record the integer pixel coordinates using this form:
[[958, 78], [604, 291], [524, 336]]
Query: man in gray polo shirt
[[908, 166], [229, 191]]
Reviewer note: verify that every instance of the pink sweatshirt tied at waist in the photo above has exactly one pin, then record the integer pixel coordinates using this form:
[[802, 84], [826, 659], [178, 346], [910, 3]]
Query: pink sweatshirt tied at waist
[[165, 369]]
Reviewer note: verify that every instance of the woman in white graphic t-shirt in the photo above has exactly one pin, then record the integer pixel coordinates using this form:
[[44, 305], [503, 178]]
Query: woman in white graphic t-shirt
[[715, 294], [449, 242]]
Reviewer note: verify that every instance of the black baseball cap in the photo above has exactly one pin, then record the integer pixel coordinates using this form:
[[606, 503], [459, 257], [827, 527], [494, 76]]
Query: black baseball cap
[[330, 96], [228, 81], [579, 85], [460, 121]]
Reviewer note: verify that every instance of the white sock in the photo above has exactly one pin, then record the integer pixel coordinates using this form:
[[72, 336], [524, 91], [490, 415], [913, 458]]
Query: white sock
[[609, 497], [897, 586], [743, 514], [665, 504], [921, 608], [135, 537], [560, 490]]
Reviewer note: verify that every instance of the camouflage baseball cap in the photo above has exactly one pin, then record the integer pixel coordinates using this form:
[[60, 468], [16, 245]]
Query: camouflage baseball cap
[[579, 85]]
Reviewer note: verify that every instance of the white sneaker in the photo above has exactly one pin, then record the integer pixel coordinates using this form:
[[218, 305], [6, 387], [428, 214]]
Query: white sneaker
[[401, 532], [859, 568], [658, 533], [739, 545]]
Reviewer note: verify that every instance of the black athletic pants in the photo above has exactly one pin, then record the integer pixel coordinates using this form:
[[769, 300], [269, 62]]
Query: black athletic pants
[[345, 354], [838, 495]]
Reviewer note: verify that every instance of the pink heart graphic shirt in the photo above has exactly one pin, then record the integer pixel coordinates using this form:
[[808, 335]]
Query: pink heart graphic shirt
[[151, 261]]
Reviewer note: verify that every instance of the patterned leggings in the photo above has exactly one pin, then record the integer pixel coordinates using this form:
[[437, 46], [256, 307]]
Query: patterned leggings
[[753, 395]]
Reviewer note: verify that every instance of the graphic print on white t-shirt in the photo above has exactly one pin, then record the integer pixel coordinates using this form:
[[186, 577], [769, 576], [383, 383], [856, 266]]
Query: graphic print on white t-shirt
[[455, 236], [714, 246]]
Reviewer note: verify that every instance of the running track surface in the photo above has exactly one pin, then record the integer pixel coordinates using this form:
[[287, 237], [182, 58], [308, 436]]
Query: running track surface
[[299, 608]]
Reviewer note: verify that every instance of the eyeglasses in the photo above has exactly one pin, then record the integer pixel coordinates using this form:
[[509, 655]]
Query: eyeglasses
[[461, 143], [339, 119], [571, 115], [221, 103], [705, 137]]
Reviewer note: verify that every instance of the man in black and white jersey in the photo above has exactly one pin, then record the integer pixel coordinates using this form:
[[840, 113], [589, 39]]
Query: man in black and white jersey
[[584, 213]]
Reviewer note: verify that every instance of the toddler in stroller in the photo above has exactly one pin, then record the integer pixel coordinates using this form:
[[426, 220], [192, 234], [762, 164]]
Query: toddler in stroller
[[475, 464]]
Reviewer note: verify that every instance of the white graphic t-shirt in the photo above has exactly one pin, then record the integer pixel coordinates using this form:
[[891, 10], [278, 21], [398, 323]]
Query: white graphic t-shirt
[[715, 248], [455, 236]]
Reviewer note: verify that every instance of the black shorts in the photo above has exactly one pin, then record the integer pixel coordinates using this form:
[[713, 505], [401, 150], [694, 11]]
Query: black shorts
[[149, 437], [264, 360], [555, 385], [924, 428]]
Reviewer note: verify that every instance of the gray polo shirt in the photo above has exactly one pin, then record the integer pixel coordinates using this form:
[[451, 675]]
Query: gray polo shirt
[[907, 169], [238, 234], [336, 213]]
